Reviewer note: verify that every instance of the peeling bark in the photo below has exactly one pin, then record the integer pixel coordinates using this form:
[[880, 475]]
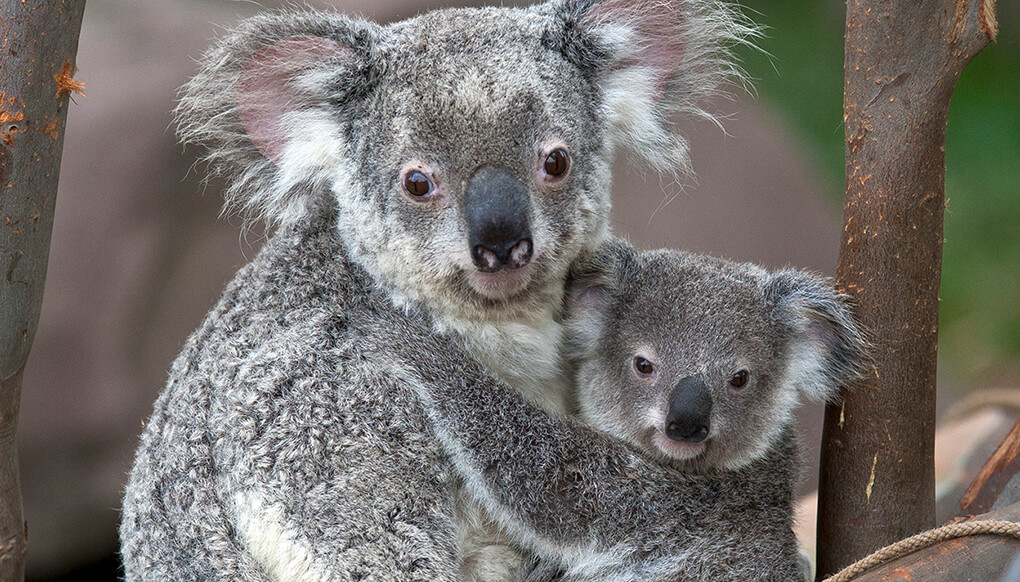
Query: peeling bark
[[902, 60], [38, 44]]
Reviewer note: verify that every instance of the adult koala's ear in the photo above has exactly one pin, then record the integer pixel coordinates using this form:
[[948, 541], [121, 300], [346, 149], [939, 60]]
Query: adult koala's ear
[[826, 347], [652, 60], [268, 104]]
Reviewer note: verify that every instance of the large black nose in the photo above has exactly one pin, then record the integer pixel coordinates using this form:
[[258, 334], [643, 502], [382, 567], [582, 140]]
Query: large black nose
[[496, 213], [690, 411]]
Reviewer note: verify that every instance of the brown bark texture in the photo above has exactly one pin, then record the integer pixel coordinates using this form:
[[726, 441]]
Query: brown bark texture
[[902, 60], [38, 44], [979, 558]]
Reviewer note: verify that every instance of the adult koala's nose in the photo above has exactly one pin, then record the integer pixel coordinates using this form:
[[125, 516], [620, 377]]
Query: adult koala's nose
[[496, 208], [690, 411]]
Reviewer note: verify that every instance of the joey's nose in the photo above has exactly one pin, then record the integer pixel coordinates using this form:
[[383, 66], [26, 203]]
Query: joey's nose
[[690, 411], [496, 209]]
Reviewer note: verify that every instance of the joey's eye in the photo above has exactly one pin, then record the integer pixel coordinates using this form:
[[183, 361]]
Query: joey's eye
[[643, 366], [556, 163], [739, 379], [417, 184]]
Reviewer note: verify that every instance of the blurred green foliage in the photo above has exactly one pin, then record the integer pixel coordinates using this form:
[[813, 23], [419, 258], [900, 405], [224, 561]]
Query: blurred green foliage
[[801, 79]]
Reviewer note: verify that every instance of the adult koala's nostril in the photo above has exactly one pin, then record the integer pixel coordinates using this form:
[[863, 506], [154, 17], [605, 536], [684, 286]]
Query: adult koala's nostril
[[496, 214], [520, 254], [690, 411], [488, 260]]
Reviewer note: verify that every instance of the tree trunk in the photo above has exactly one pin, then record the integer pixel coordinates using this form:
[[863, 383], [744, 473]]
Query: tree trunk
[[902, 61], [37, 52]]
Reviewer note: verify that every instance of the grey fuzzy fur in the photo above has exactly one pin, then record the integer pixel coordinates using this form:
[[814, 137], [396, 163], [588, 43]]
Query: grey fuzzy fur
[[355, 470], [597, 511], [288, 444], [597, 508]]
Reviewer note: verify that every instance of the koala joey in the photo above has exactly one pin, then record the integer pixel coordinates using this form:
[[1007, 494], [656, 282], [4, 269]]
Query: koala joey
[[698, 363], [445, 169]]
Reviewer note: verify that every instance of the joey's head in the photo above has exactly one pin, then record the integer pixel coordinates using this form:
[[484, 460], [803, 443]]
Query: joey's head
[[466, 151], [702, 361]]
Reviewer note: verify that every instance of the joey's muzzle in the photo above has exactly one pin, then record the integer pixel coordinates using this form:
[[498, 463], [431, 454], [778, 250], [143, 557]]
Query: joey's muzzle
[[690, 411], [496, 212]]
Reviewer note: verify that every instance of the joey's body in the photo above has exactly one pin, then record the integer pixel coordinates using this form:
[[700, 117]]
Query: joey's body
[[699, 363], [710, 355], [433, 178]]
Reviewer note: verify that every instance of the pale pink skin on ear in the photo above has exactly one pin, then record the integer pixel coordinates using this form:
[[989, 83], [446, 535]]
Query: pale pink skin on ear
[[264, 92], [587, 298], [660, 27]]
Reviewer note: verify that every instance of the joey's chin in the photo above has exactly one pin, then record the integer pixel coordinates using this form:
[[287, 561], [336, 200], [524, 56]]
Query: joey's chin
[[677, 450], [501, 285]]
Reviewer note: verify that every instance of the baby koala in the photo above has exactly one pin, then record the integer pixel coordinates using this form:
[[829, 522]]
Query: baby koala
[[698, 361]]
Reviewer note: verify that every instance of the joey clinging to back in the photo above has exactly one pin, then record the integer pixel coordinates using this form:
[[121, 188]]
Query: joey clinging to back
[[467, 150], [701, 361]]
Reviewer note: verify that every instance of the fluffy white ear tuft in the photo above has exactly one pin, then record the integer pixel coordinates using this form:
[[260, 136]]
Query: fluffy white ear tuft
[[266, 105], [655, 60], [827, 347], [270, 86], [592, 286]]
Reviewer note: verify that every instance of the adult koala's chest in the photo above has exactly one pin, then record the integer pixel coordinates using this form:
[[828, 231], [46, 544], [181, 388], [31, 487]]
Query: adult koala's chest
[[525, 355]]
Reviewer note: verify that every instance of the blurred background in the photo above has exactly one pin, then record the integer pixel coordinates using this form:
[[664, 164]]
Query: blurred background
[[139, 253]]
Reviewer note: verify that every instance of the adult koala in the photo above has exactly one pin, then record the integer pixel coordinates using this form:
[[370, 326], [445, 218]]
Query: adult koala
[[446, 168]]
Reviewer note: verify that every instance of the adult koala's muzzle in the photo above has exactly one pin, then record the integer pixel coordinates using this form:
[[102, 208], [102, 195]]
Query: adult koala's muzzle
[[496, 208]]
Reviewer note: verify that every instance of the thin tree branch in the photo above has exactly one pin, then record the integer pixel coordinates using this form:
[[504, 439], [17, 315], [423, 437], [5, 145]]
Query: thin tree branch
[[38, 44]]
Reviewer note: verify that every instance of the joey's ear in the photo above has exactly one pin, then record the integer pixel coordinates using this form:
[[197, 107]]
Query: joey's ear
[[652, 59], [827, 348], [268, 103], [596, 275], [593, 284]]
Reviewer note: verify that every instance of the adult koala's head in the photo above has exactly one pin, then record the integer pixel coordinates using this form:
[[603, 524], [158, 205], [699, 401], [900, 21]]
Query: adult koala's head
[[466, 150], [699, 360]]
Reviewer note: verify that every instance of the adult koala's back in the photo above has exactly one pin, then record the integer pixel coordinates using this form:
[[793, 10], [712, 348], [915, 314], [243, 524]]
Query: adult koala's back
[[451, 167]]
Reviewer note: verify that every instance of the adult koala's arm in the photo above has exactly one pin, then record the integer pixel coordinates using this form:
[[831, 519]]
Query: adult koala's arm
[[175, 525], [589, 501]]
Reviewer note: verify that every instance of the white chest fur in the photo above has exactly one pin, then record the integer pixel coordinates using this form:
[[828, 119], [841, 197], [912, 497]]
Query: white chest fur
[[525, 355]]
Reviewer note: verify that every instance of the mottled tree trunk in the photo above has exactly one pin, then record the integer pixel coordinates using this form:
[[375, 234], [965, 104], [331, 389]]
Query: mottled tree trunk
[[902, 61], [37, 52]]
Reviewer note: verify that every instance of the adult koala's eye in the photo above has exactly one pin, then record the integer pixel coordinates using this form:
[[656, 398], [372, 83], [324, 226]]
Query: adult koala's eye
[[557, 162], [643, 366], [417, 184], [739, 379]]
